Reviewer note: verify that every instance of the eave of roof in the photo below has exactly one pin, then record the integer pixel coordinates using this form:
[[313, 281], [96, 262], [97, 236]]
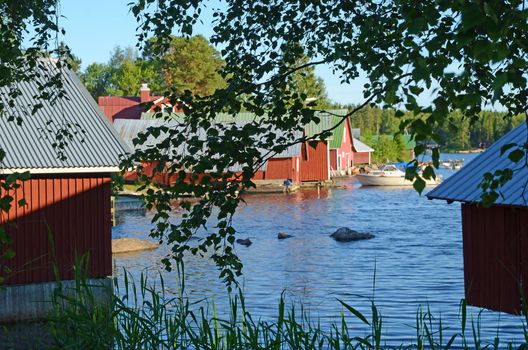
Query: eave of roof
[[61, 171]]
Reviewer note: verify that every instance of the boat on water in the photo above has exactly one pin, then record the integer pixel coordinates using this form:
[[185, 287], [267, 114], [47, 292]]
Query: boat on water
[[452, 164], [389, 175]]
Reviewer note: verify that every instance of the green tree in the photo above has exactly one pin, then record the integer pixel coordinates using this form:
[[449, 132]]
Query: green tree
[[128, 70], [73, 61], [401, 148], [192, 64], [305, 82], [126, 78], [122, 75], [96, 78]]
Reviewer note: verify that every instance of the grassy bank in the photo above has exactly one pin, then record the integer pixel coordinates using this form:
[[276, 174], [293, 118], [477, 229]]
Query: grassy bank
[[144, 316]]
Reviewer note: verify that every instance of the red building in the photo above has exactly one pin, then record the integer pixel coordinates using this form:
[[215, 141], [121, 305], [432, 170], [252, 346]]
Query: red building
[[345, 150], [280, 169], [362, 153], [298, 162], [132, 107], [67, 214], [315, 161], [496, 238], [341, 147], [122, 107]]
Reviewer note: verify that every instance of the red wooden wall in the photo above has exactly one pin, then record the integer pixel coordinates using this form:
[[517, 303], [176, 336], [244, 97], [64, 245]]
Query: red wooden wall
[[314, 162], [276, 169], [346, 147], [282, 169], [76, 209], [495, 256], [333, 159], [361, 157]]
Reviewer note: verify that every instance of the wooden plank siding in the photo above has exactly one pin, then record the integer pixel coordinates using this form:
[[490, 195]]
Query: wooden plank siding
[[495, 256], [314, 162], [282, 169], [66, 217], [361, 158], [345, 151], [276, 169], [333, 159]]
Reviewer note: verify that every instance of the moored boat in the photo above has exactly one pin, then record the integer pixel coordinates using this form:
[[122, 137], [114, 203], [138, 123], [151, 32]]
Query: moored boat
[[389, 175], [452, 164]]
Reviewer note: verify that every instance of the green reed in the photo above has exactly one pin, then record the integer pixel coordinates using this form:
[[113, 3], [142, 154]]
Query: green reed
[[145, 315]]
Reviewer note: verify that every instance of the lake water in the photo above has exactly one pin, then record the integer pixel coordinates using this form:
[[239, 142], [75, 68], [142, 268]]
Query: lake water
[[415, 258]]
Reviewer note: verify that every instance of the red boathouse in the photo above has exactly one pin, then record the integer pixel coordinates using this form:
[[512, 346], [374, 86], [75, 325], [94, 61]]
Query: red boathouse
[[286, 165], [308, 162], [344, 150], [67, 213], [496, 238]]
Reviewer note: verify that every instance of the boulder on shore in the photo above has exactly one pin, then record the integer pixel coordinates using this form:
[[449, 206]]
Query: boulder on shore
[[246, 242], [129, 245], [344, 234], [283, 235]]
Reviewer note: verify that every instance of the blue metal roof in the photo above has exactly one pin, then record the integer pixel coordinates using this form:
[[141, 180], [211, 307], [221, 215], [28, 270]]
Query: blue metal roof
[[29, 147], [463, 185]]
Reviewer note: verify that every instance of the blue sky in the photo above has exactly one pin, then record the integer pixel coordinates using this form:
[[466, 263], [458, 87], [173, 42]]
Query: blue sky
[[95, 27]]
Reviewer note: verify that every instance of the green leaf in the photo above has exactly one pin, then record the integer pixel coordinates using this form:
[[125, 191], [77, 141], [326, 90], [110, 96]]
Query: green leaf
[[506, 147], [429, 173], [463, 308], [354, 312], [419, 185], [450, 342], [516, 155]]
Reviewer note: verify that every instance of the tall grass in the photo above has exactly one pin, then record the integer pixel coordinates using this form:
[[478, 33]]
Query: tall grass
[[143, 315]]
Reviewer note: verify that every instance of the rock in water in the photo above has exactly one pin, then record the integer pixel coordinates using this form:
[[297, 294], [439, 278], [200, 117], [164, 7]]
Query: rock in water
[[344, 234], [128, 245], [283, 235], [247, 242]]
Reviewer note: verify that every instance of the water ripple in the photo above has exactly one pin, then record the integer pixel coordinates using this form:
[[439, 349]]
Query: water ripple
[[416, 258]]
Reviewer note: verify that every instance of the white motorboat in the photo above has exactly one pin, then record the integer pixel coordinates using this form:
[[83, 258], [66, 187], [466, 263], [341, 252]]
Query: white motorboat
[[452, 164], [389, 175]]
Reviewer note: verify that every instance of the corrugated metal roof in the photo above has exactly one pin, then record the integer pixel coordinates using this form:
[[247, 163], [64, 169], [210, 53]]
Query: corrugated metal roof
[[361, 147], [129, 129], [29, 146], [328, 120], [243, 117], [463, 185]]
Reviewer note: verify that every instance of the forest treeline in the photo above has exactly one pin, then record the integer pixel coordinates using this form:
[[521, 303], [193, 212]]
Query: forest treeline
[[460, 134]]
